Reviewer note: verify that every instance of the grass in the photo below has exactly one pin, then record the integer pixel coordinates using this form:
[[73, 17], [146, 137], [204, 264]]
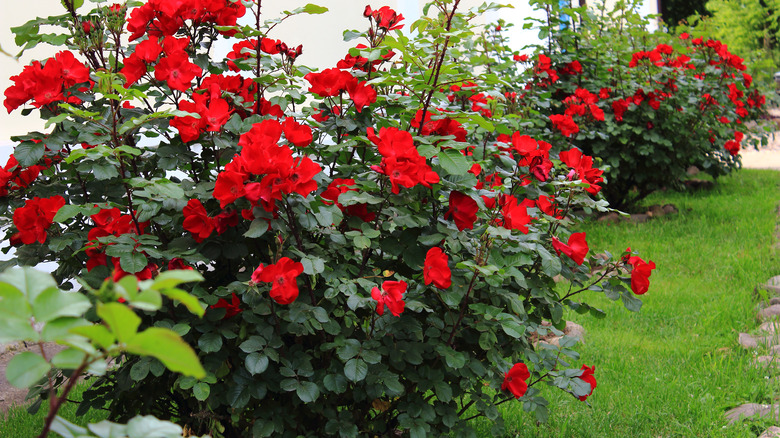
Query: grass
[[17, 423], [674, 368]]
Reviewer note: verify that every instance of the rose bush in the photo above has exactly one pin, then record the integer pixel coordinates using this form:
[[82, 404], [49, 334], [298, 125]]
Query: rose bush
[[310, 202], [649, 104]]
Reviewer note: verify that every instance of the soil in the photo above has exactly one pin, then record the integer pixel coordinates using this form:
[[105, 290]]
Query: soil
[[11, 395]]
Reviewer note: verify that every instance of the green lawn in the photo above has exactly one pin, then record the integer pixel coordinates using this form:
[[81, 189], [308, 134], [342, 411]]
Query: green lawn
[[17, 423], [674, 368]]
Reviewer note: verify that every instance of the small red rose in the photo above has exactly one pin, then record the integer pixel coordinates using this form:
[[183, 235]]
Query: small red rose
[[515, 380]]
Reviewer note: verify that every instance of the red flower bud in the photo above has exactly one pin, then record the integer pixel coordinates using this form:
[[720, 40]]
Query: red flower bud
[[367, 11], [299, 50]]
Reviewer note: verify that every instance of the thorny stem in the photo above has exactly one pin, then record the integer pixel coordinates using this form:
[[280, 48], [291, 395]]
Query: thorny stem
[[462, 309], [438, 63], [601, 277], [55, 403]]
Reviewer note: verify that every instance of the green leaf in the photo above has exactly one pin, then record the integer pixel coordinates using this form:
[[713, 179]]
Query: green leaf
[[256, 363], [66, 212], [362, 242], [443, 391], [454, 359], [174, 278], [356, 369], [60, 329], [551, 265], [66, 429], [335, 383], [76, 4], [29, 281], [133, 262], [140, 369], [148, 426], [201, 390], [168, 348], [69, 359], [25, 369], [97, 333], [350, 349], [149, 300], [257, 228], [254, 343], [314, 9], [13, 303], [453, 162], [210, 342], [190, 301], [29, 153], [122, 321], [54, 303], [104, 171], [12, 330], [308, 392]]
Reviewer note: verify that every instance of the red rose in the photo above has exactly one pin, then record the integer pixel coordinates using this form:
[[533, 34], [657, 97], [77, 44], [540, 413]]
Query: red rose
[[390, 295], [197, 220], [576, 249], [587, 377], [296, 133], [35, 218], [436, 270], [515, 380], [463, 210], [640, 274], [231, 309], [283, 274], [565, 124]]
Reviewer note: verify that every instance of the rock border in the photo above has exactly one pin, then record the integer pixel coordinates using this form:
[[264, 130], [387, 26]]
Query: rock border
[[768, 311]]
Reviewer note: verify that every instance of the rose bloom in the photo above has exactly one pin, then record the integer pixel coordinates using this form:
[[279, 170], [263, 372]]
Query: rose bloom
[[515, 380]]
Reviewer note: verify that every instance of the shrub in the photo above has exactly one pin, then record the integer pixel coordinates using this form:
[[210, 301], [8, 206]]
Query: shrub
[[379, 241], [649, 104]]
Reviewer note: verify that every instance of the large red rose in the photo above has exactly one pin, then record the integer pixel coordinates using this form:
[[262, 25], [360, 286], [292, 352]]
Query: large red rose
[[390, 295], [515, 380], [640, 274], [463, 210], [283, 276], [436, 270], [576, 249]]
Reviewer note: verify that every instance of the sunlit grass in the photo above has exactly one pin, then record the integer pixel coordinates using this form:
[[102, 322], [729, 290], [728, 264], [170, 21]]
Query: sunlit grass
[[18, 423], [674, 368]]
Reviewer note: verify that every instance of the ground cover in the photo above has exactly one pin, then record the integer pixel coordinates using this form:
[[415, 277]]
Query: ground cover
[[18, 423], [674, 368]]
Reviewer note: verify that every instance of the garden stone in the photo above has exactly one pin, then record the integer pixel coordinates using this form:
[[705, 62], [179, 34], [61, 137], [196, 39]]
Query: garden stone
[[770, 327], [692, 170], [773, 285], [769, 312], [750, 341], [611, 217], [747, 341], [766, 361], [670, 209], [772, 432], [699, 184], [639, 218], [572, 330], [751, 410], [655, 211]]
